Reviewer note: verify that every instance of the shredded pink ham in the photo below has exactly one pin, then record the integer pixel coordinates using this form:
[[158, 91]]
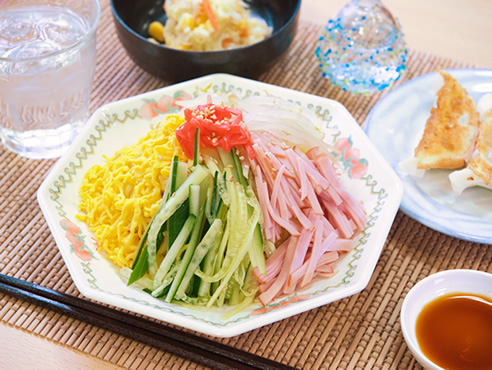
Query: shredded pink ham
[[307, 213]]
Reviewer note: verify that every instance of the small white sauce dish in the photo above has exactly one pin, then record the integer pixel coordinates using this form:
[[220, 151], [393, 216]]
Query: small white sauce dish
[[432, 287]]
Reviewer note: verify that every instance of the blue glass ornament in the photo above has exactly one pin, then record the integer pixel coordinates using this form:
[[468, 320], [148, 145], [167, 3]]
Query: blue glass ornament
[[362, 49]]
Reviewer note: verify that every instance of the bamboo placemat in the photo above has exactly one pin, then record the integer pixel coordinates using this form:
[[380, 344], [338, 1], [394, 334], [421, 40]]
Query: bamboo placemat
[[361, 331]]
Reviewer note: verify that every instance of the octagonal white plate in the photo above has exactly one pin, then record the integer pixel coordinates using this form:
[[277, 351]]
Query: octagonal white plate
[[114, 125], [395, 125]]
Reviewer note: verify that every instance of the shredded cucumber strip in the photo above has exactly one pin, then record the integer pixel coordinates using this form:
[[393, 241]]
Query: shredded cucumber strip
[[177, 220], [164, 287], [190, 250], [239, 308], [194, 199], [208, 266], [207, 242], [175, 201], [243, 250], [211, 258], [173, 251]]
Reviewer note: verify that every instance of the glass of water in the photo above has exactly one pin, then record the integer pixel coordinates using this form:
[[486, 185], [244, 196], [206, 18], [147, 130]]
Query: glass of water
[[47, 63]]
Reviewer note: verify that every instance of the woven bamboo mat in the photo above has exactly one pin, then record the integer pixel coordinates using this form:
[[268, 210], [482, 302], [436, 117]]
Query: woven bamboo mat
[[361, 331]]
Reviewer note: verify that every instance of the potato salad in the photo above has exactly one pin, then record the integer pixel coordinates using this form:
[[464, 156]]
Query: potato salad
[[209, 25]]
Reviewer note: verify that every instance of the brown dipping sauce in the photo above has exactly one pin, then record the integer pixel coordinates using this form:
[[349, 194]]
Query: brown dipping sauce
[[455, 331]]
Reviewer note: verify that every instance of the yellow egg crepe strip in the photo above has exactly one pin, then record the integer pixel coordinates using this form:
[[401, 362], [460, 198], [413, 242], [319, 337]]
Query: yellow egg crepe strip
[[119, 198]]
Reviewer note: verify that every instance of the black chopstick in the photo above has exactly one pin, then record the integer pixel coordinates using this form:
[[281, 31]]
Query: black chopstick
[[189, 346]]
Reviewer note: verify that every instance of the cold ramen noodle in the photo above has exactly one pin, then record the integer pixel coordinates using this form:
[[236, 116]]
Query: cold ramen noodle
[[230, 202]]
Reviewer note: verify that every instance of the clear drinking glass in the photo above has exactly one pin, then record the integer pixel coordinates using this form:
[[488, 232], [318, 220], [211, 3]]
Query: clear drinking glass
[[362, 49], [47, 63]]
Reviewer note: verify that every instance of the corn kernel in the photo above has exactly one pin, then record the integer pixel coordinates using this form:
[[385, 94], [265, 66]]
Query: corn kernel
[[156, 31], [201, 18], [186, 21], [243, 23], [243, 27]]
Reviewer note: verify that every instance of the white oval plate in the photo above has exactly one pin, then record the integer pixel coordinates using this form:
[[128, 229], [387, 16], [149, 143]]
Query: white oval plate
[[124, 122], [395, 126]]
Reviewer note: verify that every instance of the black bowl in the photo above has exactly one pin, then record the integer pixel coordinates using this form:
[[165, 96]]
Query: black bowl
[[132, 18]]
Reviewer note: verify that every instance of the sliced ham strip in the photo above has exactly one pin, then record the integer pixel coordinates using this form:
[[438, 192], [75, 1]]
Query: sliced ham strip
[[267, 296], [305, 204], [338, 219], [318, 248]]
